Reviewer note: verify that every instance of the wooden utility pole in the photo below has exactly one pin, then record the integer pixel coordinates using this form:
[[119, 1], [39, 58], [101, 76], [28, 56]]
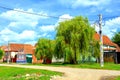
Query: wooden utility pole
[[101, 41]]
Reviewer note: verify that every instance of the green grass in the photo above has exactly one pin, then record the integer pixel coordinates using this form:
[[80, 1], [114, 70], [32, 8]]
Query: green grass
[[118, 78], [13, 73], [108, 66]]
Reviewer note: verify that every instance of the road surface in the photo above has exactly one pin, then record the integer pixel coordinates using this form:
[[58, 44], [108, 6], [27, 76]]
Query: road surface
[[72, 73]]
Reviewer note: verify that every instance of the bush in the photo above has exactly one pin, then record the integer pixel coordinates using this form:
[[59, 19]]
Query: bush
[[1, 53]]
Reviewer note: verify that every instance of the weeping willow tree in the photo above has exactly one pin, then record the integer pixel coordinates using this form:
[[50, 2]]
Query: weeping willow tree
[[73, 39], [44, 49], [59, 47]]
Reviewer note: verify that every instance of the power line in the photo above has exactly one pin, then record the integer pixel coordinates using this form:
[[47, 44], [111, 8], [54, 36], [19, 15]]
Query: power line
[[30, 12], [110, 17], [35, 13], [7, 8]]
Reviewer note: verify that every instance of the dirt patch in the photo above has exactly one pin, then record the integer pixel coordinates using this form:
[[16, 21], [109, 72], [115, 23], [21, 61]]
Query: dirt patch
[[108, 78]]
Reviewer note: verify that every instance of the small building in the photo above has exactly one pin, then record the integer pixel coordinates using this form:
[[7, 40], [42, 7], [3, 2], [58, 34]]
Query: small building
[[18, 53], [110, 49]]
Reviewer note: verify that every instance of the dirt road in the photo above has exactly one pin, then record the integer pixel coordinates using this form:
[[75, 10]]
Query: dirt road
[[73, 73]]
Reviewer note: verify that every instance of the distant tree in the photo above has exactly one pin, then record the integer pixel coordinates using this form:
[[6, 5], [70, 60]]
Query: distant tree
[[44, 49], [116, 38], [73, 39], [1, 53]]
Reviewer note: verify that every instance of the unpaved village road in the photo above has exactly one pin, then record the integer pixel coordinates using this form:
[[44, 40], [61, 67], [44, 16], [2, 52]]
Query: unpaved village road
[[72, 73]]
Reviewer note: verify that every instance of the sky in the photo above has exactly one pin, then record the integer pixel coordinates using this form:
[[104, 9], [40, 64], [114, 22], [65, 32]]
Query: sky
[[19, 27]]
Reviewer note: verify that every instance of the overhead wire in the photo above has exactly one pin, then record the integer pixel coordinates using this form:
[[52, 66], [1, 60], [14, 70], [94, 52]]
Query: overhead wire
[[29, 12], [7, 8]]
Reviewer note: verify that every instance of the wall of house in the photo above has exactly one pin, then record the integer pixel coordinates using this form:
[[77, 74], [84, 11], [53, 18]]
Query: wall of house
[[34, 59], [13, 54], [57, 60], [108, 47]]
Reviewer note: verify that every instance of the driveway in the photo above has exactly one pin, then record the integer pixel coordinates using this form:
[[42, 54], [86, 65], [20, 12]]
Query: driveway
[[72, 73]]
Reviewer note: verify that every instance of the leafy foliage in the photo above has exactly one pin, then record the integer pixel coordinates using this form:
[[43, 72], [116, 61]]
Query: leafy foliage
[[44, 49], [73, 39], [74, 42], [1, 53], [59, 47], [116, 38]]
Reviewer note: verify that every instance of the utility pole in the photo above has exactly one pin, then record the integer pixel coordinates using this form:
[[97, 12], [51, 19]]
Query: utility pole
[[101, 41], [8, 54]]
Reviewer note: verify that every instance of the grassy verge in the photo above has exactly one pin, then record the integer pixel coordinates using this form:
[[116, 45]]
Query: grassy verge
[[108, 66], [117, 78], [13, 73]]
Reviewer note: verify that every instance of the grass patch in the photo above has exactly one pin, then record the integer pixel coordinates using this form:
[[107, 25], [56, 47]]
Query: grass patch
[[13, 73], [108, 66], [117, 78], [110, 78]]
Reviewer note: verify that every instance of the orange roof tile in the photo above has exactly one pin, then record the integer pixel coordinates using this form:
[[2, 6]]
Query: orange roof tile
[[26, 48], [106, 41]]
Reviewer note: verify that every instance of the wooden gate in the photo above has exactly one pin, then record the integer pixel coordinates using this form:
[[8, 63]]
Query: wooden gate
[[110, 57]]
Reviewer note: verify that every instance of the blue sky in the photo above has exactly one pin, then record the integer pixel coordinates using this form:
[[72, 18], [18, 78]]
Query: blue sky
[[27, 28]]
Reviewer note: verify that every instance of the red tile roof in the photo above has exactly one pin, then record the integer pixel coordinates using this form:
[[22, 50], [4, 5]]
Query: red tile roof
[[106, 41], [5, 48], [26, 48]]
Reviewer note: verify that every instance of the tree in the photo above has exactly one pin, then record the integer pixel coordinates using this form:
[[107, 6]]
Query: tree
[[96, 49], [1, 53], [44, 49], [59, 48], [76, 36], [116, 38]]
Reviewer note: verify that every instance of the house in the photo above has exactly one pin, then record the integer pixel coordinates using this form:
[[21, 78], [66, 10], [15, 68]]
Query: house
[[110, 49], [19, 53]]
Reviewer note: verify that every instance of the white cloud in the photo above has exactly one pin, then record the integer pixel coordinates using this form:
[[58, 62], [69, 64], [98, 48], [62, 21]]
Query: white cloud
[[51, 28], [64, 17], [18, 19], [96, 27], [109, 10], [19, 16], [18, 24], [111, 27], [31, 42], [77, 3], [8, 35], [44, 35], [20, 27], [48, 28], [27, 34]]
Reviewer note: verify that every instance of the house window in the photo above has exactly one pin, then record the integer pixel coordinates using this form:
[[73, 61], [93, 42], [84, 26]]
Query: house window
[[22, 56]]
